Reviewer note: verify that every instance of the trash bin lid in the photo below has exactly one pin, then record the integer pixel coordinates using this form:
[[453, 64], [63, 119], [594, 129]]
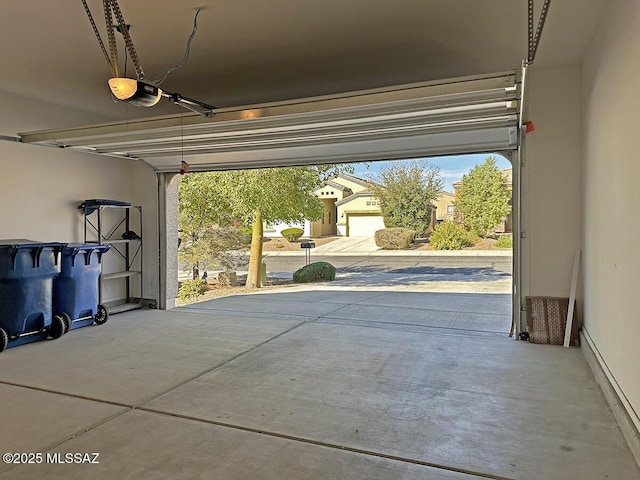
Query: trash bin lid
[[12, 247], [11, 242], [72, 248], [24, 243]]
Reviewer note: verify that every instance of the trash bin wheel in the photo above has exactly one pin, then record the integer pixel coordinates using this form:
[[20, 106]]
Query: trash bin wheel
[[58, 327], [102, 315], [4, 339], [67, 322]]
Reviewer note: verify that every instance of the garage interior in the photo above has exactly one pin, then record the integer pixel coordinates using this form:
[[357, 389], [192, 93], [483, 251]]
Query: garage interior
[[160, 394]]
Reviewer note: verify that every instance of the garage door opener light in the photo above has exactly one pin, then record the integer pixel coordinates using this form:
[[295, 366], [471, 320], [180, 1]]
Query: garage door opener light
[[138, 91]]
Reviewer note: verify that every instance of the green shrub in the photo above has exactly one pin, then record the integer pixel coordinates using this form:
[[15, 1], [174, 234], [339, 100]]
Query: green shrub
[[292, 234], [450, 236], [394, 238], [505, 241], [315, 272], [191, 289]]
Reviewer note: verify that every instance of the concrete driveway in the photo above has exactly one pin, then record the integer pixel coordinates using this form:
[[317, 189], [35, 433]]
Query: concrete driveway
[[335, 381], [349, 245], [367, 246]]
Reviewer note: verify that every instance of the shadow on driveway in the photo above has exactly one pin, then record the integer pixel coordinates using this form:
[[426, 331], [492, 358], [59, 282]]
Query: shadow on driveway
[[369, 274]]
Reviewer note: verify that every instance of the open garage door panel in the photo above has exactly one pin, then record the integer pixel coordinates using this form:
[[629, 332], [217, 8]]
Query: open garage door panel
[[454, 116]]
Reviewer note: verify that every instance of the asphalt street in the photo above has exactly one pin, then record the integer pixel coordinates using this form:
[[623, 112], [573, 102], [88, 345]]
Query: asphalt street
[[394, 268], [498, 267]]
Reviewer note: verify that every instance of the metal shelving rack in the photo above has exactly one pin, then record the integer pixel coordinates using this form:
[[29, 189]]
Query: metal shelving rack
[[105, 225]]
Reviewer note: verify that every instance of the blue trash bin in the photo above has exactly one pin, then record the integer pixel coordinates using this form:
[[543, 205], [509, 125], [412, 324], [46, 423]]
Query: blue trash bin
[[27, 269], [75, 290]]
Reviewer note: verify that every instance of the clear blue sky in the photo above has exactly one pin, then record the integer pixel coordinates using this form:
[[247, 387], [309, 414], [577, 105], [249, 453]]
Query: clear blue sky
[[451, 168]]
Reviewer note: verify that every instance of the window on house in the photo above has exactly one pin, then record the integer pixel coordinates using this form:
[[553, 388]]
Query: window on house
[[451, 210]]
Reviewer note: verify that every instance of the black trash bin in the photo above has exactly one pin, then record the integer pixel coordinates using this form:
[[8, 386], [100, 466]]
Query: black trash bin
[[75, 290], [27, 269]]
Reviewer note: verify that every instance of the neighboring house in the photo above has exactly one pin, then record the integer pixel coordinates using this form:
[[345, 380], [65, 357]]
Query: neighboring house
[[507, 225], [357, 213], [444, 206], [350, 210]]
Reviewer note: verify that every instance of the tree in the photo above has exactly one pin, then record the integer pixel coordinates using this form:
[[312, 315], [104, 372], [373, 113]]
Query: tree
[[214, 246], [251, 197], [483, 197], [204, 242], [406, 191]]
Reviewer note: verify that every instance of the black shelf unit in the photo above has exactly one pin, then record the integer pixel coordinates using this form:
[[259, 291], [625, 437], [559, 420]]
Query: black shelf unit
[[122, 269]]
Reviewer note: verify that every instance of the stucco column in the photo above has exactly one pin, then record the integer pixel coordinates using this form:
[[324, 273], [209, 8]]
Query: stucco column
[[168, 184]]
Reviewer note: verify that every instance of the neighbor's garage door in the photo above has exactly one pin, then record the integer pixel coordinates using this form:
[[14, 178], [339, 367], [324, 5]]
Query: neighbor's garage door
[[362, 225]]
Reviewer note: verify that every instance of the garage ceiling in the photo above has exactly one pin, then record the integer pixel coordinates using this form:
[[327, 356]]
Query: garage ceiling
[[254, 51], [291, 61]]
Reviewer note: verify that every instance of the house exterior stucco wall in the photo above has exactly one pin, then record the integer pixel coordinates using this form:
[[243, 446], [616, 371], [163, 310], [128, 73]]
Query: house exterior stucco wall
[[441, 203], [360, 204], [329, 191], [611, 76]]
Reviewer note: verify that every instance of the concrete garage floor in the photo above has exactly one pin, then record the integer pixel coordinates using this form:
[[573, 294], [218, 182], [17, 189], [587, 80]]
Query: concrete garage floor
[[335, 382]]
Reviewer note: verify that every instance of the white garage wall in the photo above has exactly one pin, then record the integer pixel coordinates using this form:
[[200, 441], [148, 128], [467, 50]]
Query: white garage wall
[[612, 197], [551, 181], [21, 114], [144, 191], [40, 188]]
